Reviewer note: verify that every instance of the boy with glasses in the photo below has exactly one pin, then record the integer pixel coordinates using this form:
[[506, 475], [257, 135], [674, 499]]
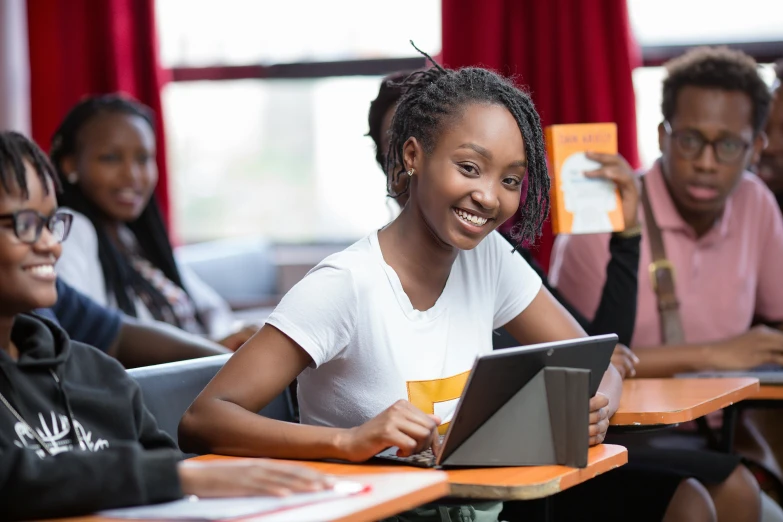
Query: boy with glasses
[[713, 233], [721, 229]]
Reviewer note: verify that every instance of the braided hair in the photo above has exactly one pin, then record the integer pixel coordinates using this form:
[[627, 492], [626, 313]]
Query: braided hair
[[433, 96], [388, 94], [15, 149], [122, 280]]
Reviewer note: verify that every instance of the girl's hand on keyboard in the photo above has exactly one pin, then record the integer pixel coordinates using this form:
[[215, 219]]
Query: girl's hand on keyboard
[[401, 425], [599, 418]]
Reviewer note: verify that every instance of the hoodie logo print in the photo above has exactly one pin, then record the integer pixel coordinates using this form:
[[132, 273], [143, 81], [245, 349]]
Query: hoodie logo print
[[56, 436]]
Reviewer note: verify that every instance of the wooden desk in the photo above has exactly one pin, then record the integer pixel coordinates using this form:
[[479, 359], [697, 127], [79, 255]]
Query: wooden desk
[[399, 488], [517, 483], [769, 392], [649, 402], [391, 493]]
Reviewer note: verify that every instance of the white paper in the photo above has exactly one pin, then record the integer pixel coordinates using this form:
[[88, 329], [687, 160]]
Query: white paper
[[225, 508]]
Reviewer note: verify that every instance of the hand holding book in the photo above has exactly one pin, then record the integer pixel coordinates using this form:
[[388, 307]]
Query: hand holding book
[[614, 168], [589, 204]]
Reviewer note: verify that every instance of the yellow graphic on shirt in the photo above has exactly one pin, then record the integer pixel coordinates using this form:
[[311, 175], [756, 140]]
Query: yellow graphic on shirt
[[424, 394]]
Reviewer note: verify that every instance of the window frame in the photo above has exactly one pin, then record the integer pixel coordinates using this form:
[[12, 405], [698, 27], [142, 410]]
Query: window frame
[[762, 52], [652, 56], [297, 70]]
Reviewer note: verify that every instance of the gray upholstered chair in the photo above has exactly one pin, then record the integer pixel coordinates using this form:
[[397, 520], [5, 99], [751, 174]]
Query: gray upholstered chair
[[241, 270], [170, 388]]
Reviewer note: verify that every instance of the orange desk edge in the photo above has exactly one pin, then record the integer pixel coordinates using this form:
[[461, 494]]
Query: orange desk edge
[[772, 392], [515, 483], [377, 504], [647, 402]]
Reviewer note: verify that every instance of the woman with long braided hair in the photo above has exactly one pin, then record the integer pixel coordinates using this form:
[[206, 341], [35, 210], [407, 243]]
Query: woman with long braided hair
[[119, 253]]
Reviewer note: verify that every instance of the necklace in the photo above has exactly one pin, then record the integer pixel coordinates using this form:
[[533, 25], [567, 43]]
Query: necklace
[[32, 431]]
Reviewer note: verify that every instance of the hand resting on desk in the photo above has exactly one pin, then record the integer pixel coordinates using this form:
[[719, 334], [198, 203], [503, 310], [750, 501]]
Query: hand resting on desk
[[625, 361], [759, 346], [248, 477]]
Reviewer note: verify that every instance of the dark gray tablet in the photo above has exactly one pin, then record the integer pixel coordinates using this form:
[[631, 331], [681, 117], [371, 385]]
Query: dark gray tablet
[[497, 376]]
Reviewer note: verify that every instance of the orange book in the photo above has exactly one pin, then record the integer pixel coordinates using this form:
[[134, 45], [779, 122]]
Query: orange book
[[582, 205]]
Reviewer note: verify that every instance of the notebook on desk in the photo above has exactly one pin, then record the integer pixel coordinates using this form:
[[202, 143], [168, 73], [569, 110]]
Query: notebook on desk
[[193, 509], [767, 374], [509, 391]]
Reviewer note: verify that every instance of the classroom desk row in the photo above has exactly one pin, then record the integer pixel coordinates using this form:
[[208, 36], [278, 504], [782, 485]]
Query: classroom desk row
[[395, 488]]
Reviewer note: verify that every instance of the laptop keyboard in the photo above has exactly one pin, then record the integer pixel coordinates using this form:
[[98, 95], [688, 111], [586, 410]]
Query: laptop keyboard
[[425, 459]]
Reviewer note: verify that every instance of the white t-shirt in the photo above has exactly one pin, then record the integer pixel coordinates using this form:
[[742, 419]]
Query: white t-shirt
[[370, 347]]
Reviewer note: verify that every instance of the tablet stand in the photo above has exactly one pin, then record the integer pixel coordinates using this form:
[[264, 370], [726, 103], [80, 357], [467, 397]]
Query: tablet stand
[[544, 423]]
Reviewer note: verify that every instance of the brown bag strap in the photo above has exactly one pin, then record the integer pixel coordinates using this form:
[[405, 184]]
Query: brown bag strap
[[662, 278]]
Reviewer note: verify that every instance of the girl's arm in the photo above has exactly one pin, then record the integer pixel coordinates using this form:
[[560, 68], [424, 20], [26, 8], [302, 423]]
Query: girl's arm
[[223, 417]]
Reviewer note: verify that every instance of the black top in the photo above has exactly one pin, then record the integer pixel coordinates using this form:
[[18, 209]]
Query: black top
[[104, 448], [616, 311]]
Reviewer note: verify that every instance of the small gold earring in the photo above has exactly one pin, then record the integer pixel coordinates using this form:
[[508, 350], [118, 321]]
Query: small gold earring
[[410, 173]]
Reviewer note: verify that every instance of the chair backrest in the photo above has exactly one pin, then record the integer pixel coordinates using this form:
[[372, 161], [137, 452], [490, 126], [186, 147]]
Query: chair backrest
[[240, 270], [169, 389]]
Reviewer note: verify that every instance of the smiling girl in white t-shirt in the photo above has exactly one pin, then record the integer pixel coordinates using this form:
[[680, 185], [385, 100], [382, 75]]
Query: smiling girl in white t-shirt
[[382, 335]]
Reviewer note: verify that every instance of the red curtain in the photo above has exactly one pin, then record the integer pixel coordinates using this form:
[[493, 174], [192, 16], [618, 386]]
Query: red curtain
[[576, 57], [83, 47]]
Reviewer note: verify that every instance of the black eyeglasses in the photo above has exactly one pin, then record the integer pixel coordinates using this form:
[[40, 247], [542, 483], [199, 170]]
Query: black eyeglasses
[[690, 145], [28, 225]]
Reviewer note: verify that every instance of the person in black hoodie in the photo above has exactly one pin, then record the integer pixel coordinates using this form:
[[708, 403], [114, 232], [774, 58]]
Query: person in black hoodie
[[75, 436]]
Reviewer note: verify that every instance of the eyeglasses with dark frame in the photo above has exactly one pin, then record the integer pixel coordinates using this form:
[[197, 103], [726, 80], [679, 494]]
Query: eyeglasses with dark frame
[[690, 145], [28, 224]]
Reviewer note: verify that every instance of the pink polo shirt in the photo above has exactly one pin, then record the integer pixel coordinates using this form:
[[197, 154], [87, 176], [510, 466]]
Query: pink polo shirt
[[722, 279]]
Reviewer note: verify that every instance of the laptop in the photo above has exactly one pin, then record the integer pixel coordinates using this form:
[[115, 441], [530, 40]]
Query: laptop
[[766, 374], [496, 378]]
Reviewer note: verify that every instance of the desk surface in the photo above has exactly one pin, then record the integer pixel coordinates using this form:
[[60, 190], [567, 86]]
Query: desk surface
[[647, 402], [769, 392], [515, 483], [390, 493], [397, 488]]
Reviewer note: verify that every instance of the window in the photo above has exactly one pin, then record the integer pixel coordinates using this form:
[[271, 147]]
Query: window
[[196, 33], [702, 22], [283, 155], [286, 159], [278, 148]]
